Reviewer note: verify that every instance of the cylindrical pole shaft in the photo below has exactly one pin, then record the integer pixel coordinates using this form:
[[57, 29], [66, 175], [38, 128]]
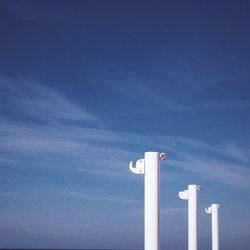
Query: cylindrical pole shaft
[[192, 218], [215, 227], [152, 201]]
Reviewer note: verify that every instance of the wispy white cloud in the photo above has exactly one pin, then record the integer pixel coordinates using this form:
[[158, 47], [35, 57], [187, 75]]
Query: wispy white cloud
[[145, 94], [105, 152], [101, 197], [33, 100], [216, 170], [167, 104], [173, 211], [234, 151]]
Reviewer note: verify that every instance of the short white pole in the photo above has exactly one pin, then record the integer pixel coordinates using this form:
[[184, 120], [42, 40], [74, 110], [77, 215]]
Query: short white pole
[[213, 210], [151, 168], [192, 196]]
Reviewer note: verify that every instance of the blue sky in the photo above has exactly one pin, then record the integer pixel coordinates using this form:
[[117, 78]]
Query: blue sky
[[87, 86]]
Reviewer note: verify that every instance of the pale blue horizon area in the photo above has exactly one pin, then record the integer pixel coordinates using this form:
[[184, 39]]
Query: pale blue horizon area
[[88, 86]]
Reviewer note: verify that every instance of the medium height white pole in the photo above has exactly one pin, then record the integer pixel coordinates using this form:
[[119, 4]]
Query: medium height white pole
[[192, 196], [213, 210], [151, 168]]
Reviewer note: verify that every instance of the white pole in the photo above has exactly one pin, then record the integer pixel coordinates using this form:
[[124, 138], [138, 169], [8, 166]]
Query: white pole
[[151, 168], [192, 218], [192, 196], [213, 210], [151, 201]]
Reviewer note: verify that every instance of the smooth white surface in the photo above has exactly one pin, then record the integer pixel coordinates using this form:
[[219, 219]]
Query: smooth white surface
[[213, 210], [192, 217], [215, 227], [191, 194], [150, 167], [152, 201]]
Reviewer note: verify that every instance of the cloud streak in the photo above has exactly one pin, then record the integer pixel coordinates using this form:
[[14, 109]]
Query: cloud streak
[[103, 198], [33, 100], [103, 152], [136, 90]]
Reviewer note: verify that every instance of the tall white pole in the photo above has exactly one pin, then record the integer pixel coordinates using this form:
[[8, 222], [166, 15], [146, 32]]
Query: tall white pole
[[151, 201], [213, 210], [150, 167], [192, 196]]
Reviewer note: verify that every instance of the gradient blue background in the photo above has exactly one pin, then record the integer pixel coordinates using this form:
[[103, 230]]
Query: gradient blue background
[[87, 86]]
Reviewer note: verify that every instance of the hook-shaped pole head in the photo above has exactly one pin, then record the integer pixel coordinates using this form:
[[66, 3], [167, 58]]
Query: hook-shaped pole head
[[208, 210], [183, 195], [139, 167]]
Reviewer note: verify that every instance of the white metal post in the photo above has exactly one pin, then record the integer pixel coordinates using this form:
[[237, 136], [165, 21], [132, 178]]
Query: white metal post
[[213, 210], [192, 196], [151, 201], [150, 167]]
